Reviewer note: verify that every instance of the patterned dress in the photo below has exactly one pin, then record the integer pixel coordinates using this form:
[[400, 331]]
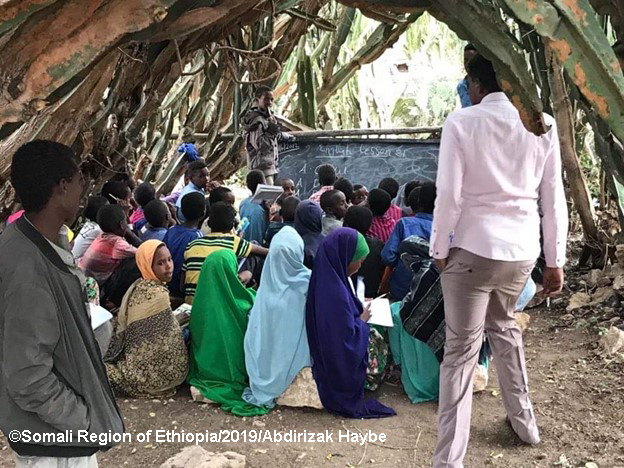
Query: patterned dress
[[147, 356]]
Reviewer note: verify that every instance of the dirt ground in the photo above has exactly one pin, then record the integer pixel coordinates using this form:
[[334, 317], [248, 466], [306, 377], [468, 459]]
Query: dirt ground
[[578, 398]]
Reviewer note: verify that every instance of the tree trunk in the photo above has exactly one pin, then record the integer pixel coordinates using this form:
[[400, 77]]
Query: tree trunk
[[565, 127]]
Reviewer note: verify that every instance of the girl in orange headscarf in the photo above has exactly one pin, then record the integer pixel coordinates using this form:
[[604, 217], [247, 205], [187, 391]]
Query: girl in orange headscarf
[[147, 356]]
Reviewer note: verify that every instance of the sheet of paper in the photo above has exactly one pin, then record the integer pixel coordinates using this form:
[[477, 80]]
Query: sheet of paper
[[99, 315], [360, 289], [270, 193], [380, 313]]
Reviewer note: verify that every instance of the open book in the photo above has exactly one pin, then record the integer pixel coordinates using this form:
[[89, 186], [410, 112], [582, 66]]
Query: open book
[[268, 193], [380, 307]]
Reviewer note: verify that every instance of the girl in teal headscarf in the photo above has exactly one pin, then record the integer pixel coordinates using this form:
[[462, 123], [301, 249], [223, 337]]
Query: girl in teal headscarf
[[276, 344]]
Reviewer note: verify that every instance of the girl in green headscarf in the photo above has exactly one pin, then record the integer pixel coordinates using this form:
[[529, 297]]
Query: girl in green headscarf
[[218, 324]]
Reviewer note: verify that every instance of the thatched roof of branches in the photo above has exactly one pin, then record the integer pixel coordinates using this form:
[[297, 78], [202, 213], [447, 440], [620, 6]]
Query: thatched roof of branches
[[107, 76]]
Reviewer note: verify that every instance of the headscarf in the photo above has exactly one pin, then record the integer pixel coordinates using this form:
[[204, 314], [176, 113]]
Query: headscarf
[[218, 323], [276, 344], [308, 224], [145, 258], [361, 249], [338, 338]]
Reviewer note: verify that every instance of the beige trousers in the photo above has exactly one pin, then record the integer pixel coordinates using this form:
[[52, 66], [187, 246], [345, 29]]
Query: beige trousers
[[480, 293]]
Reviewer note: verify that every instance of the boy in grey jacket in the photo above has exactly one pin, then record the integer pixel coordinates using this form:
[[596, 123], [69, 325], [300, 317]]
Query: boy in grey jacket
[[262, 134], [56, 405]]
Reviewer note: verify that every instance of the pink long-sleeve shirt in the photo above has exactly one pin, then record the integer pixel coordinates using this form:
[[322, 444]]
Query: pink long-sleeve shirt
[[491, 174]]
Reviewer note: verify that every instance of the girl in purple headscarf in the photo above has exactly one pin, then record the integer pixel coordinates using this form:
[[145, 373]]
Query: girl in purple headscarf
[[337, 335]]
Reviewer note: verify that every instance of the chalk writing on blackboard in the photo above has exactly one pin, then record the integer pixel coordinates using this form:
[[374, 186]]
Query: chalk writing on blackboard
[[361, 161]]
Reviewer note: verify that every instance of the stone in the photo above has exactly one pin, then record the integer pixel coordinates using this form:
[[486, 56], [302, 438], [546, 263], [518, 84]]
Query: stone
[[567, 318], [601, 295], [593, 277], [604, 281], [615, 270], [301, 392], [578, 300], [613, 341], [618, 283], [198, 397], [619, 253], [523, 319], [195, 456]]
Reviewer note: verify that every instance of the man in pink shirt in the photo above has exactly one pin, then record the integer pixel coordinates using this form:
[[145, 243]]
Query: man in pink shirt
[[327, 179], [486, 228]]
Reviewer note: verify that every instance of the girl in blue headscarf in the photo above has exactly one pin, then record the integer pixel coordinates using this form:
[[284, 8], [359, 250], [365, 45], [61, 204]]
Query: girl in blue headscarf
[[276, 345], [338, 337]]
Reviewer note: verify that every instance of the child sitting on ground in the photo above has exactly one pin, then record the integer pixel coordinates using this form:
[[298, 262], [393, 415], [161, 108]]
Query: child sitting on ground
[[90, 230], [327, 179], [379, 202], [158, 219], [360, 218], [256, 215], [346, 187], [107, 251], [334, 204], [360, 195], [221, 222], [143, 194], [391, 186], [421, 201], [179, 236], [406, 210], [222, 194], [287, 216]]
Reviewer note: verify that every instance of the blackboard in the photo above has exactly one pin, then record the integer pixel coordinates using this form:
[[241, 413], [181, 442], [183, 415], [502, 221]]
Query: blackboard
[[361, 161]]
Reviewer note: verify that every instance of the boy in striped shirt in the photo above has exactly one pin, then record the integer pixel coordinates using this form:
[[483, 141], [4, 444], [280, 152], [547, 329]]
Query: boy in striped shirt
[[379, 202], [221, 222]]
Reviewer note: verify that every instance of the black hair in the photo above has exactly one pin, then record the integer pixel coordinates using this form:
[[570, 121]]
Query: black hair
[[329, 199], [115, 189], [379, 201], [222, 217], [144, 193], [218, 194], [110, 217], [345, 186], [94, 204], [411, 186], [289, 207], [390, 185], [422, 199], [37, 167], [326, 174], [470, 46], [156, 213], [253, 179], [262, 90], [358, 217], [193, 206], [480, 68], [357, 187], [195, 166]]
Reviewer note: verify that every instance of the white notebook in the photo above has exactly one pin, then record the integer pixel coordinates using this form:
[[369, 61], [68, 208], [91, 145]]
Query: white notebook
[[268, 193]]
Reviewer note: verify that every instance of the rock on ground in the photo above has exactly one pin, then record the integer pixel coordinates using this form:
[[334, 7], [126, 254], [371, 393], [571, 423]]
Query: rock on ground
[[613, 341], [578, 300], [195, 456], [523, 319], [301, 392]]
